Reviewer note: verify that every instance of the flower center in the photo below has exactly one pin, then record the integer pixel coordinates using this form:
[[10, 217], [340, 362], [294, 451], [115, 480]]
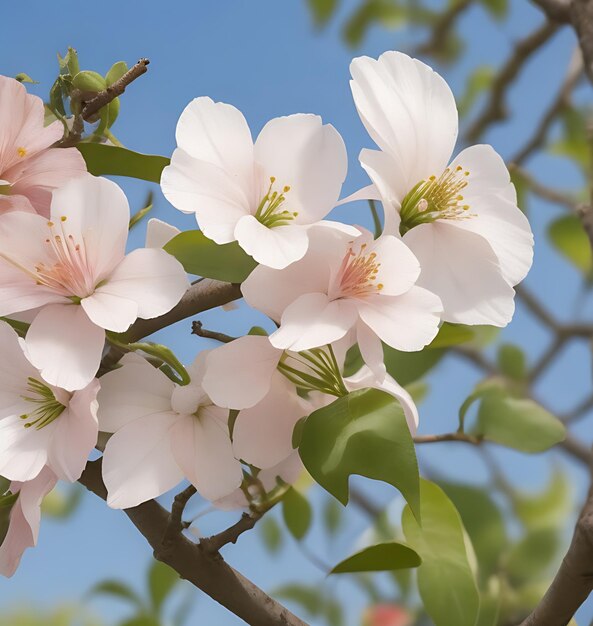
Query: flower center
[[357, 277], [270, 212], [70, 274], [434, 199], [46, 408]]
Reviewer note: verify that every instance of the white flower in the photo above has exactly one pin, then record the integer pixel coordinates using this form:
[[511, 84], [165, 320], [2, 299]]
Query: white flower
[[343, 284], [163, 433], [264, 195], [73, 268], [41, 424], [459, 218], [25, 518]]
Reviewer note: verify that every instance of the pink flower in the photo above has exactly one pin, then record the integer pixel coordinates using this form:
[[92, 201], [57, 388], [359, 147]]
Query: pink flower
[[29, 168], [386, 615], [73, 268], [25, 518], [345, 284], [41, 424]]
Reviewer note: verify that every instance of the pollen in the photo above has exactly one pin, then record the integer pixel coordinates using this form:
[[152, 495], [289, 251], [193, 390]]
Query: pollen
[[358, 274], [271, 211], [22, 152]]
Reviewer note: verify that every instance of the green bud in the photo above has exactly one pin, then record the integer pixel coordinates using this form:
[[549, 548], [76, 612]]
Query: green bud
[[116, 72], [25, 78], [113, 111], [88, 81]]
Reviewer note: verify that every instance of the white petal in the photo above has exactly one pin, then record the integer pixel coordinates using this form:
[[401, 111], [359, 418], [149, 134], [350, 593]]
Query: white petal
[[75, 434], [407, 322], [65, 346], [313, 320], [217, 133], [263, 434], [23, 451], [371, 349], [462, 269], [138, 462], [272, 247], [152, 278], [110, 312], [203, 450], [399, 268], [239, 374], [309, 157], [212, 193], [132, 391], [408, 110], [97, 216], [487, 170], [159, 233]]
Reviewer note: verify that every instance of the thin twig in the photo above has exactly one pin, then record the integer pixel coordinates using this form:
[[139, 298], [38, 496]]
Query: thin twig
[[443, 27], [198, 329], [543, 191], [212, 545], [175, 525], [464, 437], [547, 357], [579, 411]]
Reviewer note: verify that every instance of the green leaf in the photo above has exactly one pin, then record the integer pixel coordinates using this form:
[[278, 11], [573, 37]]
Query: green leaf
[[117, 589], [570, 239], [322, 10], [490, 606], [498, 8], [385, 12], [451, 335], [25, 78], [548, 508], [332, 516], [512, 362], [4, 485], [6, 503], [271, 534], [88, 81], [483, 521], [116, 71], [383, 557], [142, 620], [517, 423], [362, 433], [161, 581], [573, 143], [62, 502], [310, 598], [531, 557], [202, 256], [477, 83], [139, 215], [296, 511], [102, 160], [445, 579]]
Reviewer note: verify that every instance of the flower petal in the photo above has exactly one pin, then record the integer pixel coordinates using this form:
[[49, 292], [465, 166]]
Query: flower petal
[[159, 233], [23, 451], [65, 346]]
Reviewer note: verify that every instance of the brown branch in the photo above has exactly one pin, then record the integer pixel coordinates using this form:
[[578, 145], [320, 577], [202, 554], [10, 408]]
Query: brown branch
[[212, 545], [102, 98], [543, 191], [556, 10], [198, 329], [209, 573], [547, 357], [175, 525], [581, 17], [574, 581], [495, 109], [561, 102], [476, 441], [443, 27], [581, 409]]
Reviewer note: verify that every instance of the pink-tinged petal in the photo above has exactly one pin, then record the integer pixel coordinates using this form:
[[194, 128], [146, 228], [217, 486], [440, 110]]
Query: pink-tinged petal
[[366, 378], [23, 451], [346, 229], [138, 462], [133, 391], [212, 193], [159, 233], [65, 346], [307, 156], [371, 349], [407, 322], [271, 291], [217, 133], [273, 247], [398, 267], [15, 203], [15, 369], [25, 519], [239, 374], [463, 270], [152, 278], [313, 320], [97, 215], [74, 434], [111, 312], [38, 176], [203, 450], [408, 110], [263, 434]]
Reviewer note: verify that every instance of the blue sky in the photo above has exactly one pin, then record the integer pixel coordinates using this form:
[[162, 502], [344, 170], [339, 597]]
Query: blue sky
[[265, 58]]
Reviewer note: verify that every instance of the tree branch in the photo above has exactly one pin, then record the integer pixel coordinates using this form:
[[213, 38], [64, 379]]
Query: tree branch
[[209, 573], [581, 16], [212, 545], [574, 581], [476, 441], [198, 329], [556, 10], [175, 525]]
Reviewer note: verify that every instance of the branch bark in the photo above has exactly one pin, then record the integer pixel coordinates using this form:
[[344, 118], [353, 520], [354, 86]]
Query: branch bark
[[207, 572]]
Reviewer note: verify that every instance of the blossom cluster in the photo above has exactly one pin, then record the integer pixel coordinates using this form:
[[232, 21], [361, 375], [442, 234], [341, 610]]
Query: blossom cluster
[[453, 246]]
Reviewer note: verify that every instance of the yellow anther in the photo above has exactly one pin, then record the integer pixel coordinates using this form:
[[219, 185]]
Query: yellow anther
[[22, 152]]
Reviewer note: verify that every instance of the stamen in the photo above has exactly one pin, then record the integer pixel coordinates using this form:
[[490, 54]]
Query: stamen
[[47, 407], [22, 152], [357, 275], [270, 212]]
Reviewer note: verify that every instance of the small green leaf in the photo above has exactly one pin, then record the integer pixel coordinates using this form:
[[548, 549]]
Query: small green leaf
[[512, 362], [371, 12], [477, 83], [383, 557], [102, 159], [6, 503], [362, 433], [61, 503], [532, 556], [161, 581], [116, 71], [4, 485], [570, 239], [203, 257], [445, 579], [258, 330], [117, 589], [271, 534], [25, 78], [498, 8], [517, 423], [451, 335], [88, 81], [332, 516], [296, 511], [322, 10], [548, 508], [310, 598]]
